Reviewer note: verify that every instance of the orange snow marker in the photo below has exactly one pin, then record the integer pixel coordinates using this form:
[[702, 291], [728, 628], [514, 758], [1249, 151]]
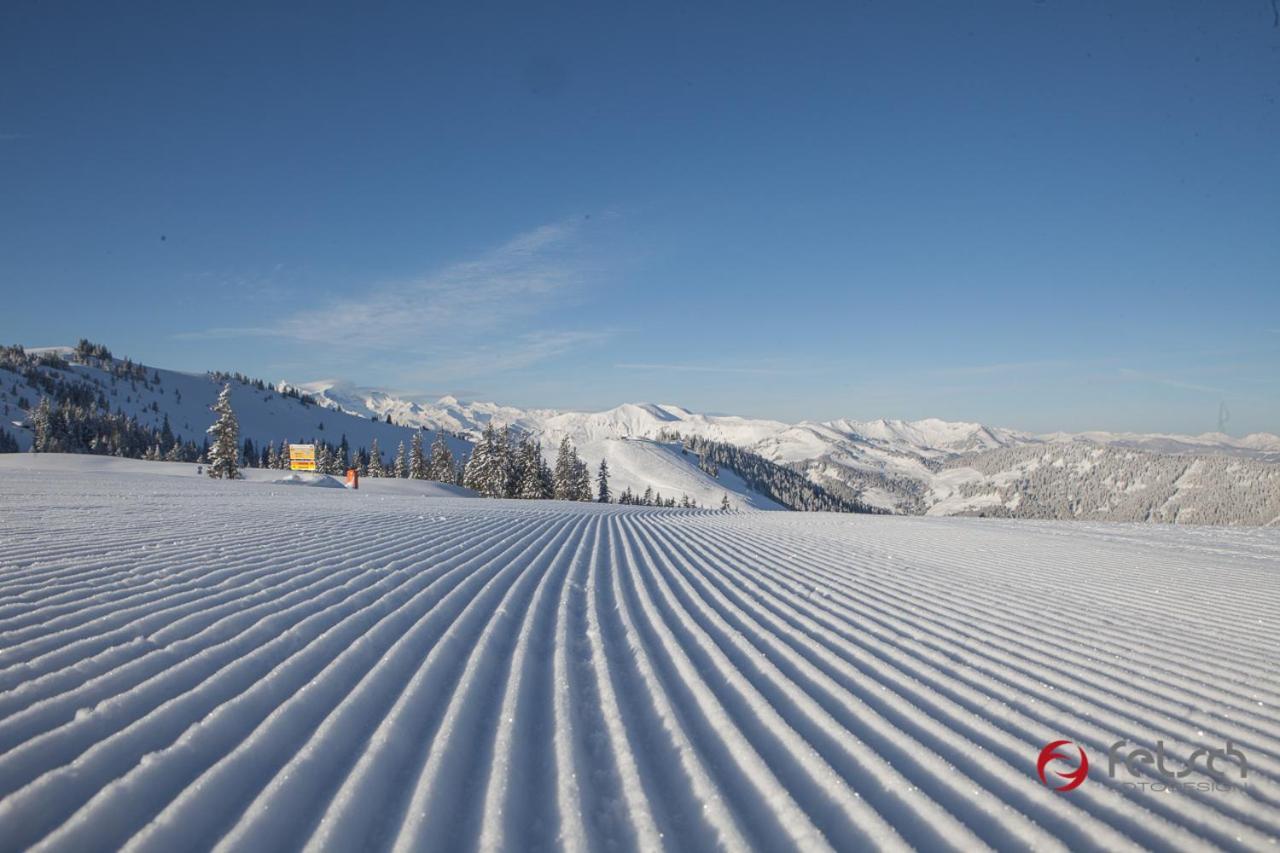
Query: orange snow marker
[[353, 478]]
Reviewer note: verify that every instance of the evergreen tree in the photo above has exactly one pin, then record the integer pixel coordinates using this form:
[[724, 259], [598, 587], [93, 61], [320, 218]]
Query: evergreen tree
[[41, 426], [222, 459], [440, 465], [513, 461], [564, 471], [167, 439], [485, 471], [417, 463], [375, 460], [324, 459], [581, 479], [602, 483], [533, 484], [647, 500], [402, 463]]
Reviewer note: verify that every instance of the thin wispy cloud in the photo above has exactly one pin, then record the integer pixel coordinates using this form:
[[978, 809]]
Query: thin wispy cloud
[[701, 368], [1170, 382], [1004, 367], [522, 351], [483, 315], [224, 332]]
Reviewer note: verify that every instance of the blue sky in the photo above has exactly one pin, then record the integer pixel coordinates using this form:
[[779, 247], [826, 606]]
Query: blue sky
[[1045, 215]]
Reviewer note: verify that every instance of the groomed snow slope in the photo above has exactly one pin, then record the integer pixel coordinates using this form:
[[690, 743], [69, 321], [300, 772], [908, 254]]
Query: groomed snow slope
[[186, 663]]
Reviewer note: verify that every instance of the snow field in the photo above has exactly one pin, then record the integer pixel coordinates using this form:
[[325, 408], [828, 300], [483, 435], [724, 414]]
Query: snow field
[[187, 663]]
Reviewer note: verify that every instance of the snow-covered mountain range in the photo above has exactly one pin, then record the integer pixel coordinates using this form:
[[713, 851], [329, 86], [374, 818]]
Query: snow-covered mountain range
[[914, 467], [903, 466]]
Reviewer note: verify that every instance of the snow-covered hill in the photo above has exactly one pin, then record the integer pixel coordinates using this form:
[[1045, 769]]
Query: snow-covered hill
[[1259, 445], [1098, 482], [271, 413], [197, 664]]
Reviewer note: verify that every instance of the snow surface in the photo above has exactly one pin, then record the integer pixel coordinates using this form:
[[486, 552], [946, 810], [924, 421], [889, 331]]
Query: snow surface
[[187, 663]]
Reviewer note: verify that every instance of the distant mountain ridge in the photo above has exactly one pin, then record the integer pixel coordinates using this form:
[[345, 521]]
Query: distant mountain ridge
[[916, 467], [895, 465]]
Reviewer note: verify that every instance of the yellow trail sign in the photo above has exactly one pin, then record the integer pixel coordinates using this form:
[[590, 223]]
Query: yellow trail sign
[[302, 457]]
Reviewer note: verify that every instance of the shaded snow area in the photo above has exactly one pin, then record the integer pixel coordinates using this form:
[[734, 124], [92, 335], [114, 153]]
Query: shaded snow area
[[187, 664]]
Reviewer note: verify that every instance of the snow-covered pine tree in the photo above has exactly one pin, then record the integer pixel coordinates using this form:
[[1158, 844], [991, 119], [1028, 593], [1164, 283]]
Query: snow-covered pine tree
[[602, 483], [564, 474], [509, 456], [41, 426], [532, 485], [647, 500], [324, 459], [473, 471], [485, 471], [581, 479], [224, 450], [342, 456], [375, 460], [402, 462], [517, 463], [417, 462], [440, 465]]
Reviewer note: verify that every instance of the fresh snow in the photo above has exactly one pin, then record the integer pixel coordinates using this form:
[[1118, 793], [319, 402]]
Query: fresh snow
[[188, 663]]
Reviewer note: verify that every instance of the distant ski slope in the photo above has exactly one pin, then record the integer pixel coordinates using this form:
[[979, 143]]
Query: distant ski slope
[[186, 662]]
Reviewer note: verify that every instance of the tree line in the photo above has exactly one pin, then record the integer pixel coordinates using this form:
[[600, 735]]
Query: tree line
[[784, 485]]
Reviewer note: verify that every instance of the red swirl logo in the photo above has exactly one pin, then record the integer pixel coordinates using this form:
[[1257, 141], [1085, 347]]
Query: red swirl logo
[[1051, 753]]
